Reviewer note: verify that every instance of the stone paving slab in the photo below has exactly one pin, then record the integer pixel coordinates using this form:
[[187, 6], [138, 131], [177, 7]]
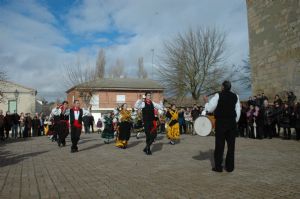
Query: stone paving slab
[[38, 168]]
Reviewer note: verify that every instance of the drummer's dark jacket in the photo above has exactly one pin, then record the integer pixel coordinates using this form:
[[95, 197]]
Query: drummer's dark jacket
[[226, 105], [72, 116]]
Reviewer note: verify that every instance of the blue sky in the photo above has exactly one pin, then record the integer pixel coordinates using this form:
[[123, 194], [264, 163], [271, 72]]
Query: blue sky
[[39, 37]]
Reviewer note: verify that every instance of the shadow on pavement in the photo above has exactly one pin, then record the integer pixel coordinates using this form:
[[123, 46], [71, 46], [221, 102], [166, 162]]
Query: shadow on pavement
[[206, 155], [91, 147], [157, 147], [7, 158], [134, 143]]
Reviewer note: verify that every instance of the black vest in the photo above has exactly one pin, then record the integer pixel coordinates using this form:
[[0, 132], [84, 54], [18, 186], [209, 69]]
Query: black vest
[[148, 112], [72, 116], [226, 105]]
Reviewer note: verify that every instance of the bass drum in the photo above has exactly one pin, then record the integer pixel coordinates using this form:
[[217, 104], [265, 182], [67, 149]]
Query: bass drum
[[203, 126]]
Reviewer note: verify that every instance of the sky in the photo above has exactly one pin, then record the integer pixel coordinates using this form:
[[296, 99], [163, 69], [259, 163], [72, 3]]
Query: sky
[[39, 38]]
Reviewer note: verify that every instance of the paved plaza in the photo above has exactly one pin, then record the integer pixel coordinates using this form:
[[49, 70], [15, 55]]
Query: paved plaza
[[38, 168]]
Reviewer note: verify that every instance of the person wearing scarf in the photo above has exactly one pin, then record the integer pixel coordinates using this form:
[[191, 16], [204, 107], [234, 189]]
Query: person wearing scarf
[[173, 125], [63, 124], [124, 127], [147, 107], [76, 125]]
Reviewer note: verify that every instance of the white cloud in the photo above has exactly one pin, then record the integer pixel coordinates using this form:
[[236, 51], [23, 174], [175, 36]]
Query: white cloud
[[32, 42]]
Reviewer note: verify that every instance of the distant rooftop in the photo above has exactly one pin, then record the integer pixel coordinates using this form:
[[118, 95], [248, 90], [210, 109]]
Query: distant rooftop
[[120, 84]]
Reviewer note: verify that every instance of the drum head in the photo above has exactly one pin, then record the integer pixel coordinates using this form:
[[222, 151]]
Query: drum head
[[202, 126]]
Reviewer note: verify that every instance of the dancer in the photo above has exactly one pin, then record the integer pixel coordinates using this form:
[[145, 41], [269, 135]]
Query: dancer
[[76, 114], [108, 132], [147, 107], [124, 127], [173, 125]]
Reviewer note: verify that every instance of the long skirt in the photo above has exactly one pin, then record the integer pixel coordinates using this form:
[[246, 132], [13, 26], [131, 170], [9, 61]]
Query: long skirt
[[63, 132], [108, 132], [123, 134], [173, 132]]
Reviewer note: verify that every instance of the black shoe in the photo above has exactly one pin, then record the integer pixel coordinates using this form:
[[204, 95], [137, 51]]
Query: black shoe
[[149, 152], [229, 170], [145, 149], [217, 170]]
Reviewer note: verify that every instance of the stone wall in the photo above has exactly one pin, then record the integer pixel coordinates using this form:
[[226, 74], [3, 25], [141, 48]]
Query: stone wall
[[274, 36]]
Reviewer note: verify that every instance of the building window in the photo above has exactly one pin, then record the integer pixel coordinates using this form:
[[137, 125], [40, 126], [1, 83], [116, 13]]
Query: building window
[[95, 101], [121, 98], [12, 106]]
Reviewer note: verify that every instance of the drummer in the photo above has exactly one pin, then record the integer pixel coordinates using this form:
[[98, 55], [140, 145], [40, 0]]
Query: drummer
[[227, 110]]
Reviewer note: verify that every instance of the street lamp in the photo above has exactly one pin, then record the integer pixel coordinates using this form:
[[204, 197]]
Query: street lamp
[[16, 93]]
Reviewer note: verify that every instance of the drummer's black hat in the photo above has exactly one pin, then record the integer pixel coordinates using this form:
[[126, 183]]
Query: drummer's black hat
[[226, 85]]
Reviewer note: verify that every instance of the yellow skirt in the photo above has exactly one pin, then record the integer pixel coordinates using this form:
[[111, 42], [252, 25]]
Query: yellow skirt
[[173, 132], [121, 143]]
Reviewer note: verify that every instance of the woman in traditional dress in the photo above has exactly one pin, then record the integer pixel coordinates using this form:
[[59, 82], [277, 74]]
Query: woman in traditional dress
[[173, 125], [124, 127], [108, 132]]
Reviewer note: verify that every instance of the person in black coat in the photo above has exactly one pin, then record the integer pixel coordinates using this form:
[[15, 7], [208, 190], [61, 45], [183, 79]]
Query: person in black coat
[[285, 120], [297, 120], [1, 125], [7, 123], [268, 115], [242, 124], [278, 100], [258, 118], [276, 116]]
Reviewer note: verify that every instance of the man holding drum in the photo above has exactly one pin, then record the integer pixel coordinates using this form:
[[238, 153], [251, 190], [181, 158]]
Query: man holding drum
[[227, 110]]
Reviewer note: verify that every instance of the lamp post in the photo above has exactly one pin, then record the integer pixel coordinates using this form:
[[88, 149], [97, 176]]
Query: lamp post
[[152, 50], [16, 93]]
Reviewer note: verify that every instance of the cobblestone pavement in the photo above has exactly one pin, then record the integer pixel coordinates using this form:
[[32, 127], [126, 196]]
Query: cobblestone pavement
[[38, 168]]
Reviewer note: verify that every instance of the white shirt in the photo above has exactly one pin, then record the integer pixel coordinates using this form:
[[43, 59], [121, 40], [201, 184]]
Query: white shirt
[[213, 102], [140, 104]]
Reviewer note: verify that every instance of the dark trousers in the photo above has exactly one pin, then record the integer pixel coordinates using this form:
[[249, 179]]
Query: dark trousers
[[150, 136], [268, 131], [225, 131], [75, 136], [287, 133], [2, 133], [63, 132], [182, 128], [297, 133]]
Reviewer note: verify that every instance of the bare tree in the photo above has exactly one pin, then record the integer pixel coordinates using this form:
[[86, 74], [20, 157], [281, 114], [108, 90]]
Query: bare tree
[[100, 64], [77, 74], [192, 62], [242, 74], [117, 70], [142, 73]]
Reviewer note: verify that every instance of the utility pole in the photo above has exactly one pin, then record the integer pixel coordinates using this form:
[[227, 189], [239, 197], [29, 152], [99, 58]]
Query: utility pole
[[152, 50]]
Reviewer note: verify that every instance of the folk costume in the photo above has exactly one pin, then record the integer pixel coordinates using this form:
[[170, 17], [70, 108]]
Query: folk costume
[[76, 114], [61, 120], [150, 127], [227, 110], [173, 133], [108, 132], [124, 129]]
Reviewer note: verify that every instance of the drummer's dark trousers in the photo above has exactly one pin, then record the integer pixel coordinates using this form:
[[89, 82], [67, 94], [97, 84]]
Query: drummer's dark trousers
[[225, 131], [148, 125]]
